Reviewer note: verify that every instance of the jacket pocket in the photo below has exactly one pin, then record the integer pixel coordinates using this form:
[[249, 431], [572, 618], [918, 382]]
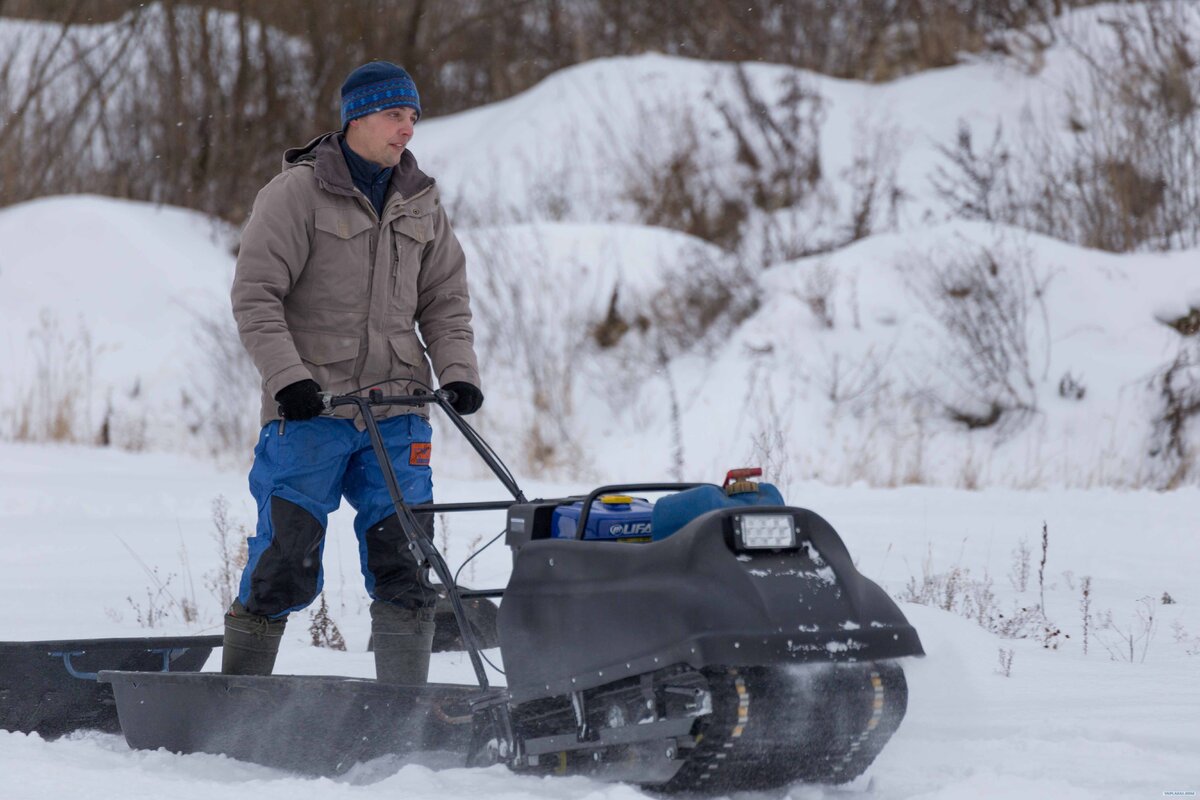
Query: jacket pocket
[[408, 348], [410, 362], [319, 347], [419, 228], [340, 222], [329, 357], [409, 237], [337, 274]]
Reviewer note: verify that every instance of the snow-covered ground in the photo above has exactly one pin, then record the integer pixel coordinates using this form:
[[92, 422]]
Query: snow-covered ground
[[85, 529]]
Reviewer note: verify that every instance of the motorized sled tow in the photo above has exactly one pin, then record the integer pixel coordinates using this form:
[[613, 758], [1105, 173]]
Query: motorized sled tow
[[717, 639]]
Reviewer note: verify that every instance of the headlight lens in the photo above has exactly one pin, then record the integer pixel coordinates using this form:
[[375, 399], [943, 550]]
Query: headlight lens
[[765, 531]]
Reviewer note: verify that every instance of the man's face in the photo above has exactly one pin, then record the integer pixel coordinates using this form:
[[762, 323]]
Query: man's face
[[381, 137]]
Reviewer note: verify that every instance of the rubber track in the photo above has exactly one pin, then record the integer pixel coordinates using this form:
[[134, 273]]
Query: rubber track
[[776, 726], [769, 726]]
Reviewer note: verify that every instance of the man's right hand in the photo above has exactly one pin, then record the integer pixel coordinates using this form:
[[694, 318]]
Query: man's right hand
[[300, 400]]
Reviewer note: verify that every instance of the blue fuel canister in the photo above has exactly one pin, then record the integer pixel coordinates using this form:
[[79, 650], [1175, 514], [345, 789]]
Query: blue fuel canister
[[613, 518]]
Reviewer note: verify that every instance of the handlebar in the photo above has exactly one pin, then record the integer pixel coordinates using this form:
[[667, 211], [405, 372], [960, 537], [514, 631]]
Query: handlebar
[[440, 397], [376, 397]]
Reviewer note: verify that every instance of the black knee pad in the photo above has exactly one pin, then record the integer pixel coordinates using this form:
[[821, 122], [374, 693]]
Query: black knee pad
[[288, 571], [399, 577]]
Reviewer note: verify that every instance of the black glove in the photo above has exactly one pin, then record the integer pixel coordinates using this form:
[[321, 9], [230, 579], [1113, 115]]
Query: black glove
[[467, 398], [300, 400]]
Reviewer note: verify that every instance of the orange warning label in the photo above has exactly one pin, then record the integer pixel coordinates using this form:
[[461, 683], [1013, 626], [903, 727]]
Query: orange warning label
[[419, 454]]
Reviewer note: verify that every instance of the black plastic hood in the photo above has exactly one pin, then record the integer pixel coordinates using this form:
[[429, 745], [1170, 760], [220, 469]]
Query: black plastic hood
[[579, 614]]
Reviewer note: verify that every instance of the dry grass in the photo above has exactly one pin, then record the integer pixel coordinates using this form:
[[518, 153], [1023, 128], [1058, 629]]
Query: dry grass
[[56, 405], [986, 299], [1127, 177]]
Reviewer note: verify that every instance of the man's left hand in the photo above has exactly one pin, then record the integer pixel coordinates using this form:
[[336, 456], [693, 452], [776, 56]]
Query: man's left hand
[[467, 398]]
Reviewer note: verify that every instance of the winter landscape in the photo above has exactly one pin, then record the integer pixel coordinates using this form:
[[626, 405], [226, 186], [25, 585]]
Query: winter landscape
[[938, 330]]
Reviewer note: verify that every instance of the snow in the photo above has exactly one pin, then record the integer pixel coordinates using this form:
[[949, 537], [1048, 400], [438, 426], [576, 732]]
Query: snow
[[84, 525]]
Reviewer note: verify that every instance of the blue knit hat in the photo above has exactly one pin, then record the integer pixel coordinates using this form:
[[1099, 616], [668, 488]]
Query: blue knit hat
[[376, 86]]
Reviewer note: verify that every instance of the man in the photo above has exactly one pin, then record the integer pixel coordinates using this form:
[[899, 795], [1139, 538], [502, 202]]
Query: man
[[347, 254]]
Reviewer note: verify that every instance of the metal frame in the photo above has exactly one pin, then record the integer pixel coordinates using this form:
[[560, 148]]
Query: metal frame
[[493, 700]]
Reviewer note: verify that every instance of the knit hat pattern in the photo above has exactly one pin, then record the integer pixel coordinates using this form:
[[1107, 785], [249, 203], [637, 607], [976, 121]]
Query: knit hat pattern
[[377, 86]]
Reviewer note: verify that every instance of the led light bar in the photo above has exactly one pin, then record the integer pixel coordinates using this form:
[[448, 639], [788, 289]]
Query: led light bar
[[765, 531]]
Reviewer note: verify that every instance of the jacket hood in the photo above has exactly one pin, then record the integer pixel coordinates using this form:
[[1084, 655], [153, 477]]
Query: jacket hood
[[325, 154]]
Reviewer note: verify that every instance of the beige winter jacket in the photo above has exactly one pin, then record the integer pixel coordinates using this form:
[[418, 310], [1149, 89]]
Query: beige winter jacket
[[324, 289]]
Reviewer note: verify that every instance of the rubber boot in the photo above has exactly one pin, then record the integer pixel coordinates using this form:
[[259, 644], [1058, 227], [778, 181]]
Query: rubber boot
[[403, 639], [251, 642]]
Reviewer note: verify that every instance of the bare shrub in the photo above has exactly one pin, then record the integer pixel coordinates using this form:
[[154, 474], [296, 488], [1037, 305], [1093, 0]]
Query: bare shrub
[[1131, 642], [1124, 175], [1085, 608], [819, 285], [1130, 177], [778, 142], [1042, 568], [704, 298], [1018, 573], [1005, 662], [473, 548], [323, 630], [693, 187], [855, 384], [770, 437], [676, 415], [610, 330], [1186, 324], [189, 610], [976, 184], [232, 553], [984, 299], [156, 608], [682, 191], [222, 402], [160, 601], [875, 193], [1177, 386], [125, 424], [956, 591], [443, 527], [1190, 643], [1071, 387], [1069, 579]]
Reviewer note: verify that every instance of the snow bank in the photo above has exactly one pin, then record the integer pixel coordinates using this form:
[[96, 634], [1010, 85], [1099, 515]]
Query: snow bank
[[103, 305]]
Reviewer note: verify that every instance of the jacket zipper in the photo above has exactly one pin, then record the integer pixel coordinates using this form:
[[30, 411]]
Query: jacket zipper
[[395, 268]]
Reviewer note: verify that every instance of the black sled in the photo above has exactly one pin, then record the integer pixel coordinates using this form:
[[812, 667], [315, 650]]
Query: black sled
[[50, 688], [744, 650]]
